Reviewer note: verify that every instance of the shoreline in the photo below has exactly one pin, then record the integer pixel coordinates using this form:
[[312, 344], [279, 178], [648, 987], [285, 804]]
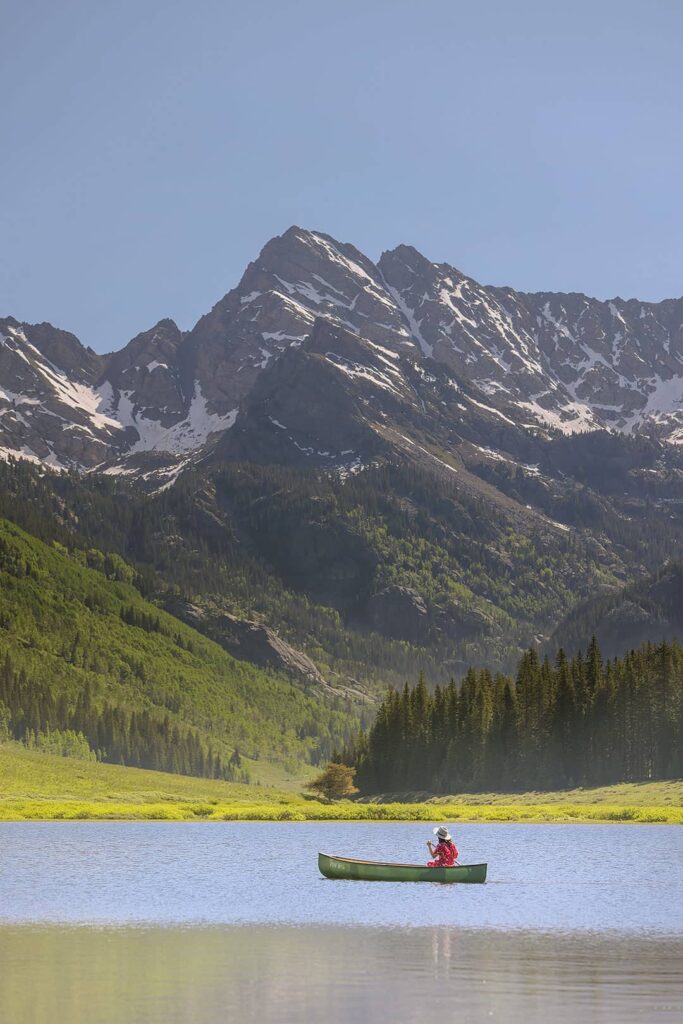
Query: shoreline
[[17, 810]]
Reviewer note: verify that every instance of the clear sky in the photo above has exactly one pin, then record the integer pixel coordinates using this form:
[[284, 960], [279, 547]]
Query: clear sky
[[151, 147]]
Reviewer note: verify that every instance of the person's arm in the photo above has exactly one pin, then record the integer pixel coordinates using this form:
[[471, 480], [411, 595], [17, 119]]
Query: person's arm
[[430, 847]]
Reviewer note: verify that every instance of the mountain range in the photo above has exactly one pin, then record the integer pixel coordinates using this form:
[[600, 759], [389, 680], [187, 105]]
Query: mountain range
[[350, 472], [390, 337]]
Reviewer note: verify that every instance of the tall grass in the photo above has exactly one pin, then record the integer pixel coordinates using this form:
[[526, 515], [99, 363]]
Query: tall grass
[[306, 810]]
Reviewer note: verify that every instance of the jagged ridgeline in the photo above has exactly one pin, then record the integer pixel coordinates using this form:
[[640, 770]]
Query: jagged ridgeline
[[544, 361], [88, 666], [577, 722]]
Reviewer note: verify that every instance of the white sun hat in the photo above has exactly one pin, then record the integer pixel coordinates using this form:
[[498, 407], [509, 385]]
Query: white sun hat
[[442, 832]]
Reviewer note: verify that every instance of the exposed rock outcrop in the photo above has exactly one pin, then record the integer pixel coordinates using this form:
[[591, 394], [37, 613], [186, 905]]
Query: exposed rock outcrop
[[399, 613], [251, 641], [254, 642]]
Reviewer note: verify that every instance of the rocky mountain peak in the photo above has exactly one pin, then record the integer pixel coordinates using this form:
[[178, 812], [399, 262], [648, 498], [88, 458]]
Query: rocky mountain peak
[[49, 406], [544, 361], [406, 259], [158, 343], [298, 277], [141, 383], [60, 348]]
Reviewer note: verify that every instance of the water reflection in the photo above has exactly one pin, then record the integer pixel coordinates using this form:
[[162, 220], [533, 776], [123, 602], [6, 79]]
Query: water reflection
[[576, 924], [283, 974]]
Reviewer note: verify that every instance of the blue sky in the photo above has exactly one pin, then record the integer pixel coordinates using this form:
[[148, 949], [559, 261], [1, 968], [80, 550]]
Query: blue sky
[[150, 148]]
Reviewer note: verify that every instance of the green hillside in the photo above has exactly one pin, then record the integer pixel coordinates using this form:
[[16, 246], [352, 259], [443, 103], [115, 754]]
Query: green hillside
[[37, 786], [376, 577], [81, 651]]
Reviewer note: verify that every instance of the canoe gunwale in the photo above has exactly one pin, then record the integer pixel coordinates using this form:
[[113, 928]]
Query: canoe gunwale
[[388, 864]]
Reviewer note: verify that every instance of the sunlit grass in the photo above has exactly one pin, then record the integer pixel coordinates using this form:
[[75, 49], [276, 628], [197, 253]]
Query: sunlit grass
[[36, 786], [74, 810], [636, 794]]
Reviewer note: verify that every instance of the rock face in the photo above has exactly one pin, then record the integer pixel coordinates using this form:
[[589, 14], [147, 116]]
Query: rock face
[[319, 404], [399, 613], [50, 409], [541, 362], [299, 276], [567, 360], [252, 641], [144, 377]]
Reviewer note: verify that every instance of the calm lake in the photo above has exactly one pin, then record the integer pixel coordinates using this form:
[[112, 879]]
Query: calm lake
[[182, 922]]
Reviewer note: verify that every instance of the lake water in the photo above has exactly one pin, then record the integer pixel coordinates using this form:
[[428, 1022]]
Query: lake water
[[182, 922]]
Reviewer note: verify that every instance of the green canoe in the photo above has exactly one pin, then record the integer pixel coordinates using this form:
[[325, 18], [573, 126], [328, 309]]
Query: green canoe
[[375, 871]]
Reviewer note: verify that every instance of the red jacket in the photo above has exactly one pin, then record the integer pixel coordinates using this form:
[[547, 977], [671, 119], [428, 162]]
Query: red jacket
[[445, 856]]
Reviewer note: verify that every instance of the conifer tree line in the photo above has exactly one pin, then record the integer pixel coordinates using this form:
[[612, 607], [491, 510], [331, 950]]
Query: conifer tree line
[[30, 714], [143, 620], [575, 722]]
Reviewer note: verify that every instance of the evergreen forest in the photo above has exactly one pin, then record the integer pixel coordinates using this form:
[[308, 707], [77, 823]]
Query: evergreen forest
[[580, 721]]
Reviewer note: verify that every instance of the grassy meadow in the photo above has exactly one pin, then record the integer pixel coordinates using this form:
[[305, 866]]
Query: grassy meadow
[[39, 786]]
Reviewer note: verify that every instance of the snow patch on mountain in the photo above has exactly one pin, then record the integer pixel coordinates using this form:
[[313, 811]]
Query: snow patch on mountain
[[572, 418], [74, 394], [335, 255], [409, 314], [187, 435], [665, 397], [368, 373], [15, 398], [25, 453]]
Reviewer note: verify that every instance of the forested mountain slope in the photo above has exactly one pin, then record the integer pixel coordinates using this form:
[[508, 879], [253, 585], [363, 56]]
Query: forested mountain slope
[[624, 617], [388, 572], [405, 566], [81, 650]]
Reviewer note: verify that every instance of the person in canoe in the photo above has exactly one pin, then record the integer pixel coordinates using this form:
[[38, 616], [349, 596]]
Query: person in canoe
[[444, 854]]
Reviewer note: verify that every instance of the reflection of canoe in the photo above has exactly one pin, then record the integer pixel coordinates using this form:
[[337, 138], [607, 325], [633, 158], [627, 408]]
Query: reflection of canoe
[[376, 871]]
